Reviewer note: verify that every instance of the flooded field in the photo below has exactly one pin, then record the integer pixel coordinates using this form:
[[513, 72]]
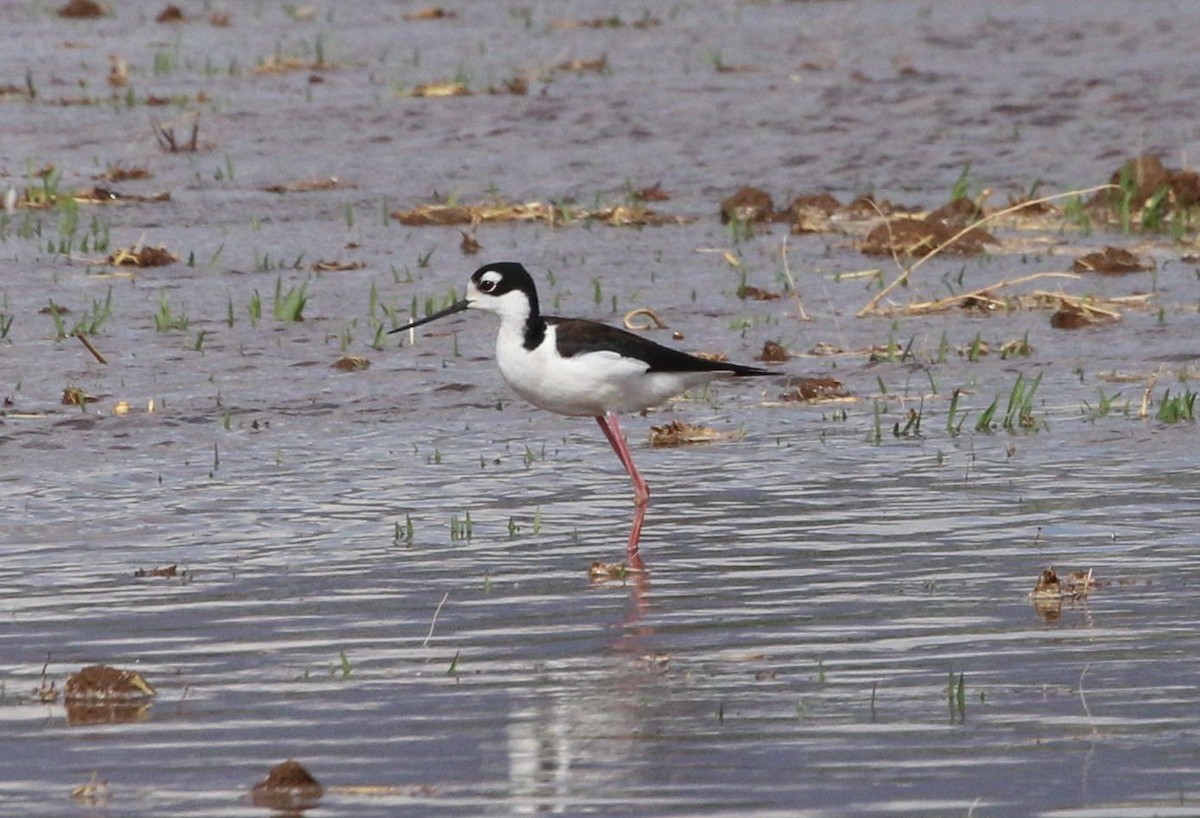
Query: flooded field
[[296, 537]]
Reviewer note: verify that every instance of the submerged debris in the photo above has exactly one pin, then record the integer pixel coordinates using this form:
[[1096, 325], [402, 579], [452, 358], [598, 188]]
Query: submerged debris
[[438, 89], [517, 86], [653, 193], [1075, 585], [104, 195], [280, 64], [121, 173], [90, 347], [619, 216], [816, 390], [598, 65], [1016, 348], [142, 256], [164, 134], [1051, 591], [75, 396], [469, 244], [430, 13], [308, 185], [439, 215], [678, 433], [608, 571], [94, 793], [157, 571], [645, 21], [322, 266]]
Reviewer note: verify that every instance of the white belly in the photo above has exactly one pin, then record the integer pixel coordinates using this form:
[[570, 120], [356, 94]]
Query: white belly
[[589, 384]]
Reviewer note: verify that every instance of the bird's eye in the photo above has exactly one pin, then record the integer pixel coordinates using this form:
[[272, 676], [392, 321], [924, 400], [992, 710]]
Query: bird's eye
[[488, 283]]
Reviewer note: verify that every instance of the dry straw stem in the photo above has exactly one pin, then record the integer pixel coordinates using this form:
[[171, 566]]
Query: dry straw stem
[[83, 339], [653, 321], [1144, 410], [787, 271], [906, 272], [1089, 304], [982, 294], [433, 624]]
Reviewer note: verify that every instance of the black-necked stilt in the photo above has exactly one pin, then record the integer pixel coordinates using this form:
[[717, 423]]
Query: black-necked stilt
[[577, 367]]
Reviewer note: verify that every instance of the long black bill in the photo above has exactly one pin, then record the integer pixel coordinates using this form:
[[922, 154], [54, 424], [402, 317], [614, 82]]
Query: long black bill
[[457, 307]]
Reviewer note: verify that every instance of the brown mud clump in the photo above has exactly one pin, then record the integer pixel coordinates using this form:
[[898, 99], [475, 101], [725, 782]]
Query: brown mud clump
[[747, 292], [351, 363], [652, 193], [99, 694], [958, 213], [83, 10], [288, 787], [750, 204], [1074, 314], [1146, 188], [866, 207], [1110, 260], [122, 173], [907, 236], [104, 683], [810, 212], [773, 352]]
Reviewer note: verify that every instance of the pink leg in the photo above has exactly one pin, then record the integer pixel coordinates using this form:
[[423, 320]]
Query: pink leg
[[641, 492], [635, 534], [612, 430]]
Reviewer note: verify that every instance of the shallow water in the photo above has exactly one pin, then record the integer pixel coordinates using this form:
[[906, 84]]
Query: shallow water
[[817, 588]]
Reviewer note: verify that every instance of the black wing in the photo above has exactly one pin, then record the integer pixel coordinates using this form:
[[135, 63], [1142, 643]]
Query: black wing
[[577, 336]]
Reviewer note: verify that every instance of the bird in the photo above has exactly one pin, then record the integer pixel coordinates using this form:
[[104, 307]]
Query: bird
[[581, 368]]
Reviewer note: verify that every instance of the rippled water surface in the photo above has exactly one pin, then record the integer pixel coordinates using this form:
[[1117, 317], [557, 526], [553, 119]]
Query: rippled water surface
[[383, 573]]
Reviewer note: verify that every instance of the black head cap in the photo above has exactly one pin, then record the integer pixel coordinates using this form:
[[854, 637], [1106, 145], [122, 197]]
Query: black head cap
[[501, 277]]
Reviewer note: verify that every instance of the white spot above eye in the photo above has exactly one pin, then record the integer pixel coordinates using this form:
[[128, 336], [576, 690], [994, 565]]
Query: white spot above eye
[[489, 280]]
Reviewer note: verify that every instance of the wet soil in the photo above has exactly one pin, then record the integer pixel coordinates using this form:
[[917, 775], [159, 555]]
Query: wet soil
[[371, 558]]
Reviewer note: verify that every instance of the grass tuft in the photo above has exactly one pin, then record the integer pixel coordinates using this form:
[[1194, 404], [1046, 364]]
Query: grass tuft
[[289, 306], [1177, 408]]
